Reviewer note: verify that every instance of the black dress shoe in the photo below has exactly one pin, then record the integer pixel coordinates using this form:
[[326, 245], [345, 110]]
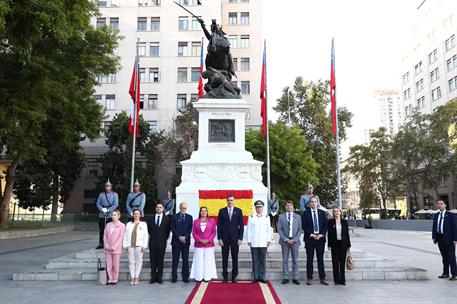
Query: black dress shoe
[[160, 281], [443, 276], [296, 282], [173, 280], [263, 281], [100, 246], [453, 278], [152, 281], [185, 280], [225, 280], [343, 283], [234, 280], [285, 281], [254, 281]]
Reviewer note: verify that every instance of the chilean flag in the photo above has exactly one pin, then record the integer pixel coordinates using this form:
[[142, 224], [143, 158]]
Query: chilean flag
[[200, 81], [263, 93], [333, 90], [134, 92]]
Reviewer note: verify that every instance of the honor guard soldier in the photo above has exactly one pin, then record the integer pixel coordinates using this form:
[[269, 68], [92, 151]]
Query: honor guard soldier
[[135, 200], [304, 199], [107, 202], [169, 205], [273, 211]]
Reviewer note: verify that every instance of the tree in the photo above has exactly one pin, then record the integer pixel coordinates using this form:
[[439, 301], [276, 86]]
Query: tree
[[308, 103], [117, 161], [291, 162], [50, 55], [373, 166]]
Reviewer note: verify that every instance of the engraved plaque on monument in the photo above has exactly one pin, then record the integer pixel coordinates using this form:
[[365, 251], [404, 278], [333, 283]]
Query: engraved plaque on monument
[[221, 131]]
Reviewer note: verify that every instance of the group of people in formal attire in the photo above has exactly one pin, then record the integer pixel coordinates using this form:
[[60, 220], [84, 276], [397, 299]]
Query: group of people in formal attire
[[139, 234]]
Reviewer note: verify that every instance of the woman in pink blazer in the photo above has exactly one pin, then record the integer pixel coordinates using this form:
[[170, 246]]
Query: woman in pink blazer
[[204, 263], [113, 235]]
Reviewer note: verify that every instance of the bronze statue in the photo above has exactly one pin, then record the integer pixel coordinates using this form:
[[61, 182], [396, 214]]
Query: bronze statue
[[219, 63]]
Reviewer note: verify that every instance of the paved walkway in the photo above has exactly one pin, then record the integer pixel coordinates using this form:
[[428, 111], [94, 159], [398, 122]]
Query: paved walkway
[[406, 247]]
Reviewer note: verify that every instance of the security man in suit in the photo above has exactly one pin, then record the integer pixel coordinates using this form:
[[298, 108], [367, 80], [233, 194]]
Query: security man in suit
[[169, 205], [159, 231], [289, 229], [273, 211], [135, 200], [444, 234], [315, 227], [181, 227], [107, 202], [230, 229]]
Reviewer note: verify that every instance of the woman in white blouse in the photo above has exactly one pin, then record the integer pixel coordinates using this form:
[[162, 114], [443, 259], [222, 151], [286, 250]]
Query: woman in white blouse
[[339, 243], [135, 241]]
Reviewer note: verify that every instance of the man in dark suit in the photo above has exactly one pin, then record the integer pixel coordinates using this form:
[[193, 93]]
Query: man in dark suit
[[315, 225], [159, 230], [445, 235], [181, 226], [230, 229]]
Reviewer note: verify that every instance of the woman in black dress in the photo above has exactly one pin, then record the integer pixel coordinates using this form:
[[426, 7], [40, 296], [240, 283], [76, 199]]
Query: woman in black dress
[[339, 244]]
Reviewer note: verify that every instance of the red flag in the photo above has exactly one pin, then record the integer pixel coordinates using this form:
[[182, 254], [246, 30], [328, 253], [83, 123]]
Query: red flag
[[333, 90], [200, 81], [134, 92], [263, 93]]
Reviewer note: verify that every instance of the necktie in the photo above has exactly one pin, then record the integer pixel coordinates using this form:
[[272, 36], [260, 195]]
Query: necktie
[[440, 229], [182, 217], [289, 219], [316, 227], [158, 221], [230, 213]]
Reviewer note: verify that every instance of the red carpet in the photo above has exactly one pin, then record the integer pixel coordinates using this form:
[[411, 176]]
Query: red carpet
[[229, 293]]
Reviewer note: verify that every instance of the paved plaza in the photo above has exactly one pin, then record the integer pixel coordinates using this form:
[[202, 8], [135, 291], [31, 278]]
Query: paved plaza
[[406, 247]]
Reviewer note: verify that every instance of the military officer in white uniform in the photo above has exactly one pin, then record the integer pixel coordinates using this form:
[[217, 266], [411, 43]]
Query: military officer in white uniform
[[135, 200], [107, 202], [259, 234]]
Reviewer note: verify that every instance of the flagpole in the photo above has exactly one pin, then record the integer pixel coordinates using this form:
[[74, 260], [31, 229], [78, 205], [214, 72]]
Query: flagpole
[[267, 127], [135, 125], [337, 143]]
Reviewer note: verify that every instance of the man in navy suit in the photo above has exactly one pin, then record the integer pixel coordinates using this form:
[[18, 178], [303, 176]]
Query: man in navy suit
[[159, 230], [181, 226], [230, 229], [445, 235], [314, 224]]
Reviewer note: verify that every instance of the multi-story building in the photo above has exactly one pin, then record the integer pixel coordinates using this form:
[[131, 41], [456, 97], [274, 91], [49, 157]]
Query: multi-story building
[[389, 110], [430, 66], [169, 49]]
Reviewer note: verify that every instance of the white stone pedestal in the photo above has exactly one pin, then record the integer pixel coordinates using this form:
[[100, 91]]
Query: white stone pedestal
[[221, 162]]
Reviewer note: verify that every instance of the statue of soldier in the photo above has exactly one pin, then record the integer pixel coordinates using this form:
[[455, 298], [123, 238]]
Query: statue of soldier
[[169, 205], [135, 200], [107, 202]]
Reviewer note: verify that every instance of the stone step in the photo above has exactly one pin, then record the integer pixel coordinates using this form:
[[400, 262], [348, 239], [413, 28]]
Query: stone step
[[390, 273]]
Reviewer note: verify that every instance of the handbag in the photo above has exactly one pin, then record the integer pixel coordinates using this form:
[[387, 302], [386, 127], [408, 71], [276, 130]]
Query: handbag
[[102, 276], [349, 261]]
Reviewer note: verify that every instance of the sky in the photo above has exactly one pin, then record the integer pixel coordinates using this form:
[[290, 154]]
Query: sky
[[370, 40]]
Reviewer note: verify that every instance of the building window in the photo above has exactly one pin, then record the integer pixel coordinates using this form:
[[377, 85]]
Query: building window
[[452, 84], [436, 94], [451, 63], [418, 68], [154, 49], [101, 22], [153, 74], [420, 85], [142, 23], [421, 102], [155, 24], [408, 110], [233, 39], [245, 64], [114, 23], [152, 101], [182, 49], [148, 2], [181, 101], [195, 24], [183, 23], [195, 75], [244, 41], [233, 18], [450, 43], [405, 77], [184, 2], [193, 97], [142, 49], [111, 78], [433, 56], [434, 75], [235, 64], [407, 94], [106, 126], [245, 87], [232, 1], [98, 99], [92, 169], [142, 75], [182, 74], [102, 3], [114, 2], [244, 18], [141, 101], [153, 126], [195, 51], [110, 102]]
